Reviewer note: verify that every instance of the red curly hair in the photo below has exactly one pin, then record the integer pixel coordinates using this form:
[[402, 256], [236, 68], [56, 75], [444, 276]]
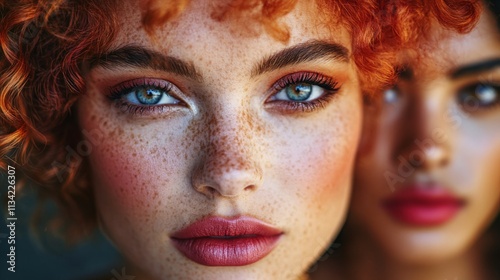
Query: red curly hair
[[45, 42]]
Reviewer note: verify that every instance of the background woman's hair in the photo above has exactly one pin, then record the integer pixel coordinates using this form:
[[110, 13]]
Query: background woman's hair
[[45, 43], [494, 7]]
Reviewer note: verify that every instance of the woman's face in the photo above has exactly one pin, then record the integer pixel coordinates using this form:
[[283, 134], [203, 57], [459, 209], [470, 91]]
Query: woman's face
[[219, 152], [427, 182]]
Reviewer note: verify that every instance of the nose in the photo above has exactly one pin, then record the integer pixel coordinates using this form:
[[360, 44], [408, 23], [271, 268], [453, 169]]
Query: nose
[[230, 163], [425, 132]]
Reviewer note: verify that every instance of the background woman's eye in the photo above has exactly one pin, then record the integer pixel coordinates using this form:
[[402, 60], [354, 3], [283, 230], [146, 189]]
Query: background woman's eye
[[391, 95], [149, 95], [300, 92], [479, 96]]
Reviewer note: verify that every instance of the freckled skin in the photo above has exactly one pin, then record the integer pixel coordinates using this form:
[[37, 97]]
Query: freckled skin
[[226, 153], [465, 159]]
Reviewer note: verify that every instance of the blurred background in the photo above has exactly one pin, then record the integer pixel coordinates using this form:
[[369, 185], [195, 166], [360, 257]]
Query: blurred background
[[47, 257]]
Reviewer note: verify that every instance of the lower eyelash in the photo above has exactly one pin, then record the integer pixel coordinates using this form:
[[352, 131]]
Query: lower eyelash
[[128, 108], [117, 93], [306, 107], [328, 84]]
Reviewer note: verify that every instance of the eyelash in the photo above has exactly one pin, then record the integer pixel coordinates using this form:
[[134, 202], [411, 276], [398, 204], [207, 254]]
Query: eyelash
[[464, 96], [470, 91], [326, 83], [117, 93]]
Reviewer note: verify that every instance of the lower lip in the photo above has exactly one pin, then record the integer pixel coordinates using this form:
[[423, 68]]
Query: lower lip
[[422, 209], [234, 251]]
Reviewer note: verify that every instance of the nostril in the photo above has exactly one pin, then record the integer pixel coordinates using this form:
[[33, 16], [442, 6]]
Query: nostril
[[249, 188], [210, 190]]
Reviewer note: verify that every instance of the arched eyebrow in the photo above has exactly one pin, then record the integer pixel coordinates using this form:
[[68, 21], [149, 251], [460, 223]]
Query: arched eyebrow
[[304, 52], [140, 57], [475, 68]]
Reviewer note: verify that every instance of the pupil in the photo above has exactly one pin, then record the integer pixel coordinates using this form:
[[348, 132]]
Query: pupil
[[148, 96], [299, 92]]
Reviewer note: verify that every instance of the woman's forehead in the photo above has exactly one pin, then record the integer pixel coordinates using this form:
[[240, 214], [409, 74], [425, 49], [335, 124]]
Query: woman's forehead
[[447, 51], [200, 18]]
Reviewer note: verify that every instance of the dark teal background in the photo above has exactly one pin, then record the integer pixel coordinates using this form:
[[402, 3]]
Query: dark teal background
[[94, 258]]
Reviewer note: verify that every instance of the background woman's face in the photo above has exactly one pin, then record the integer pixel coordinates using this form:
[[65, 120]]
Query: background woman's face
[[427, 182], [212, 121]]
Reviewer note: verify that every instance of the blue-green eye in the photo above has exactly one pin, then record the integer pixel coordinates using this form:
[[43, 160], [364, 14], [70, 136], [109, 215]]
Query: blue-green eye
[[146, 96], [149, 95], [479, 96], [300, 92]]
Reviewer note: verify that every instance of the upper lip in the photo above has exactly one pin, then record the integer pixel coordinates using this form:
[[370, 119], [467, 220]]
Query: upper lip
[[222, 227], [423, 205], [423, 194]]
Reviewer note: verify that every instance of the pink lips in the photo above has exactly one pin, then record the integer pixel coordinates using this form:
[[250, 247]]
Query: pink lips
[[423, 205], [217, 241]]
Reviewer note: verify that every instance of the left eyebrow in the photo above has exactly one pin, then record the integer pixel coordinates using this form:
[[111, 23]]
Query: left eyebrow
[[304, 52], [139, 57], [475, 68]]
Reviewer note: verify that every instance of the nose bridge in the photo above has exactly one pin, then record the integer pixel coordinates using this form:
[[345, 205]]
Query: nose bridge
[[427, 115], [425, 130], [228, 164], [229, 144]]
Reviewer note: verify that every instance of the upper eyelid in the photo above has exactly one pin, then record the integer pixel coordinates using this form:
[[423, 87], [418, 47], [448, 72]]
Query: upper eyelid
[[304, 76], [116, 91]]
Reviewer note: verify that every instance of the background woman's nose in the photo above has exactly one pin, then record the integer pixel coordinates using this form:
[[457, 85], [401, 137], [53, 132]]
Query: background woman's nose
[[424, 134], [229, 163]]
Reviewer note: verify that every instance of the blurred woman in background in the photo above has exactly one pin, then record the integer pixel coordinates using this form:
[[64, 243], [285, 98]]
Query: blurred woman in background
[[202, 145], [427, 180]]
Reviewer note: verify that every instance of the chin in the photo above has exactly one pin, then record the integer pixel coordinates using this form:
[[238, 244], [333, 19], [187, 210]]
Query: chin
[[424, 248]]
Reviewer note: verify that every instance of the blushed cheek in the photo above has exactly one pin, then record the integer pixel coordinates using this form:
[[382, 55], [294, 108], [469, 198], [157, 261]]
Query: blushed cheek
[[331, 160], [336, 170], [128, 173], [120, 189], [482, 169]]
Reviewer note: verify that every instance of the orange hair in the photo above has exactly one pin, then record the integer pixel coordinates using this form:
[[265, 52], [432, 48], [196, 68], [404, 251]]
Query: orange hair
[[44, 43]]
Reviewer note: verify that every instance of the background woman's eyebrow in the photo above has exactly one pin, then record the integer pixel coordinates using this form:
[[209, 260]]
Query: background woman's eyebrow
[[300, 53], [138, 57], [475, 68]]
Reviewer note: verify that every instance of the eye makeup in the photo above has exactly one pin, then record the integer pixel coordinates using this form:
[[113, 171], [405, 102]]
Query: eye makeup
[[294, 93], [132, 96], [479, 97], [321, 89]]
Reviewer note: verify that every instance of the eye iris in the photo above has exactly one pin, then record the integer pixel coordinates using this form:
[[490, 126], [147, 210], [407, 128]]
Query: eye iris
[[486, 94], [148, 96], [299, 92]]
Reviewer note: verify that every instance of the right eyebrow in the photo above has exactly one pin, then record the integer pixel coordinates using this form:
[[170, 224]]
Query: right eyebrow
[[304, 52], [139, 57], [475, 68]]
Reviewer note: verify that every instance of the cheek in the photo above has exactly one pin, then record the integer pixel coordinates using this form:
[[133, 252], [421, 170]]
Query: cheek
[[127, 165], [477, 169], [122, 180], [323, 160]]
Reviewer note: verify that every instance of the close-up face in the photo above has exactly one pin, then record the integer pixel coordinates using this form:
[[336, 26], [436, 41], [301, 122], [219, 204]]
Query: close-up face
[[220, 152], [427, 181]]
